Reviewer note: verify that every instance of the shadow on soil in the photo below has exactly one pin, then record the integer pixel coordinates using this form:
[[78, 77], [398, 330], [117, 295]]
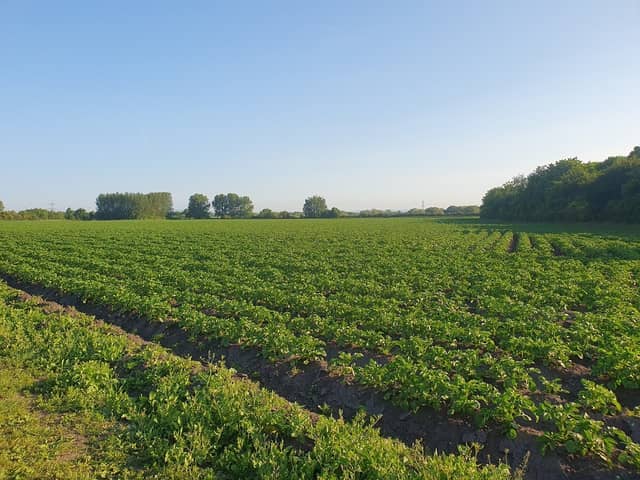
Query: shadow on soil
[[605, 230]]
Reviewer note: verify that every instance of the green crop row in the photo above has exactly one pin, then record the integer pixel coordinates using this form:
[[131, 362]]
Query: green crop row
[[470, 319], [177, 419]]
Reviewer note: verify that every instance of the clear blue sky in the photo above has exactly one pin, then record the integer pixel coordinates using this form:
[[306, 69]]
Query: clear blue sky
[[370, 104]]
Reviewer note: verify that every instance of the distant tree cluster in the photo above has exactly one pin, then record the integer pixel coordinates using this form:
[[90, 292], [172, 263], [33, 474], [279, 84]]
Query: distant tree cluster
[[570, 190], [466, 210], [121, 206], [267, 213], [316, 207], [31, 214], [225, 205], [232, 205], [78, 214], [283, 214], [432, 211], [376, 212]]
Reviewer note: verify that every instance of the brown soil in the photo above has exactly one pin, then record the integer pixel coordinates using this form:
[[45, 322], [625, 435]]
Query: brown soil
[[514, 243], [77, 449], [315, 389], [556, 250]]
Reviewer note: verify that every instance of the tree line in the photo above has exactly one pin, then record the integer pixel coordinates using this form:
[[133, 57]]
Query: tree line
[[567, 190], [231, 205], [131, 206], [31, 214], [570, 190]]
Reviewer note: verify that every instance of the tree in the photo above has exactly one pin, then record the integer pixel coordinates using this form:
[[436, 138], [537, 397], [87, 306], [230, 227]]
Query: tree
[[241, 207], [314, 207], [570, 190], [82, 214], [267, 213], [198, 206], [1, 206], [79, 214], [118, 206], [333, 213], [433, 211], [173, 215], [232, 205], [155, 205], [220, 205], [39, 214], [462, 210]]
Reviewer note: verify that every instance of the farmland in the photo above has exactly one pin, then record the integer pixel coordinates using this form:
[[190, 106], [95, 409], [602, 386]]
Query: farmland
[[525, 337], [101, 404]]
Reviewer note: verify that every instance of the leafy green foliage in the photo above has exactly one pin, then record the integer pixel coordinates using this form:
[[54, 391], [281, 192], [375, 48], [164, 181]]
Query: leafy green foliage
[[120, 206], [598, 398], [314, 207], [198, 206], [231, 205], [78, 214], [480, 322], [570, 190], [578, 434], [176, 419]]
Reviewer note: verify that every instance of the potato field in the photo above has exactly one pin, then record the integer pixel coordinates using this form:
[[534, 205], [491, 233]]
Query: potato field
[[349, 348]]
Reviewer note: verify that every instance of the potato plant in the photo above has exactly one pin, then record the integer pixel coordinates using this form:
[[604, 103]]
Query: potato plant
[[486, 323], [150, 414]]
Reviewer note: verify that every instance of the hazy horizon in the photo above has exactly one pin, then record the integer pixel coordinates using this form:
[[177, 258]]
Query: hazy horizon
[[369, 104]]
